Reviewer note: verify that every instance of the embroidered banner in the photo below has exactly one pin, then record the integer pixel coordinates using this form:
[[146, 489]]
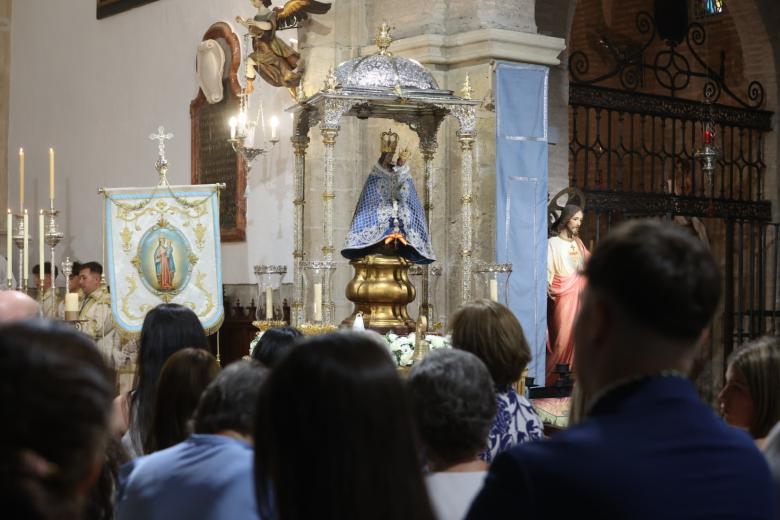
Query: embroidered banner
[[162, 246]]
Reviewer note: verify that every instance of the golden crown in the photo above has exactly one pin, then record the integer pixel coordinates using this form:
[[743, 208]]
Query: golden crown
[[389, 141], [404, 154]]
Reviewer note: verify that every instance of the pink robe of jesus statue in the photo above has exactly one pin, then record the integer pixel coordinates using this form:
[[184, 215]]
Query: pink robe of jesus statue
[[565, 259]]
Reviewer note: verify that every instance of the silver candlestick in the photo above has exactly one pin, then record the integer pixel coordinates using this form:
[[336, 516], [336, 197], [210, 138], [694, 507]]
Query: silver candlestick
[[67, 267], [19, 239], [52, 235]]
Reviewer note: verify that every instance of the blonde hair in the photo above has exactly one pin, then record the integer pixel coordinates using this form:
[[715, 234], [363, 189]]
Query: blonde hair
[[758, 362], [491, 332]]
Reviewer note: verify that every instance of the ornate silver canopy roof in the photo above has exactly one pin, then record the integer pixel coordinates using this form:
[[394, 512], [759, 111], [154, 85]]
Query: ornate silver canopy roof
[[384, 71]]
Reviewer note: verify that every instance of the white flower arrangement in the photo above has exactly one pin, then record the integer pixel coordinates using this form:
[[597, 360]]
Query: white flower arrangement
[[402, 347]]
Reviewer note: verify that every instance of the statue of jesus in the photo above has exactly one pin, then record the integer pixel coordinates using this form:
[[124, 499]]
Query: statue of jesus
[[566, 255]]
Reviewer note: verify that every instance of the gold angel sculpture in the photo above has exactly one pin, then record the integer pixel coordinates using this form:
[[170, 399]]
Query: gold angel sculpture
[[273, 59]]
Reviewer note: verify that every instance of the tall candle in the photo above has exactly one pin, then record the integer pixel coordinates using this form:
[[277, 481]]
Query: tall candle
[[8, 251], [274, 128], [25, 256], [41, 271], [51, 173], [317, 302], [269, 303], [494, 289], [71, 306], [21, 179]]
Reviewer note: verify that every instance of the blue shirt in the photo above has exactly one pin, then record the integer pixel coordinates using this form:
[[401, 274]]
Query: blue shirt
[[204, 477]]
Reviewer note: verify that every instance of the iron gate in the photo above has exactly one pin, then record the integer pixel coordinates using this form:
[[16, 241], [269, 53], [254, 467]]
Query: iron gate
[[633, 154]]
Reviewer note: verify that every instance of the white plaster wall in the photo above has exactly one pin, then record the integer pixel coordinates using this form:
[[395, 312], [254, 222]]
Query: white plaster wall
[[95, 89]]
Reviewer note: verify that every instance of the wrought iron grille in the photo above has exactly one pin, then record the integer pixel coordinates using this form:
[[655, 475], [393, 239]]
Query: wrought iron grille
[[633, 155]]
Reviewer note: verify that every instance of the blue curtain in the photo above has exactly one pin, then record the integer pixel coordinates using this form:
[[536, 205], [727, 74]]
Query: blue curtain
[[521, 197]]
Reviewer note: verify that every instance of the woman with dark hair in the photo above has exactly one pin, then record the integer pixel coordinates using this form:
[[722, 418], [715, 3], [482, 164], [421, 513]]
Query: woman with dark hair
[[491, 332], [183, 379], [334, 437], [55, 401], [273, 344], [167, 328]]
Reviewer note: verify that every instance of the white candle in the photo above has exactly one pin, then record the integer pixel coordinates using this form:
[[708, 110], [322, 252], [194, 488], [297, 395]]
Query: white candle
[[269, 303], [26, 260], [51, 173], [72, 302], [21, 179], [494, 289], [317, 302], [41, 271], [8, 251], [274, 128], [241, 122], [232, 124]]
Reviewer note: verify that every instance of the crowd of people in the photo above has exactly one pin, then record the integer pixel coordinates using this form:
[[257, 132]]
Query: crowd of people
[[325, 427]]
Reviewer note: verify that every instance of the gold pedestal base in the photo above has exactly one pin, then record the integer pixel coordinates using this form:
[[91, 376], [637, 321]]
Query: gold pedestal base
[[381, 290]]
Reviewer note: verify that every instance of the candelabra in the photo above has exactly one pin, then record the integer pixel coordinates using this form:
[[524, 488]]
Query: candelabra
[[242, 132], [20, 237], [52, 235]]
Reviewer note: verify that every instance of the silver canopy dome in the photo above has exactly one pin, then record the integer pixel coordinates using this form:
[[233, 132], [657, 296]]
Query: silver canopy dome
[[384, 71]]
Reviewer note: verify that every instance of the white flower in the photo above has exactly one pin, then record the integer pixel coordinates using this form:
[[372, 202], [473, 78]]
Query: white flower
[[406, 358], [437, 341]]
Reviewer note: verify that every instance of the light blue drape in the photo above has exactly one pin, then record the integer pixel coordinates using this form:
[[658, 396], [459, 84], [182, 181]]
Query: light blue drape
[[521, 197]]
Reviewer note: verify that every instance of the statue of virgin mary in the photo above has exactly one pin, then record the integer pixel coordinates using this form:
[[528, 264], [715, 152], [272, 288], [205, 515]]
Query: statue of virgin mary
[[389, 218]]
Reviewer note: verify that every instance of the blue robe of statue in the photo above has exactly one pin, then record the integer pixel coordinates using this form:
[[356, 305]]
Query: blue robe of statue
[[373, 218]]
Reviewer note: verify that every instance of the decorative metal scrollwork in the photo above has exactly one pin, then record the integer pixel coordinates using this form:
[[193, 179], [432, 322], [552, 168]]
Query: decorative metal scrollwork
[[673, 67]]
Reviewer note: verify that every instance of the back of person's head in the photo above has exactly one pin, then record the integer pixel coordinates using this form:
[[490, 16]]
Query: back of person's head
[[273, 344], [334, 410], [230, 401], [167, 328], [454, 405], [758, 364], [663, 278], [55, 400], [491, 332], [17, 306], [183, 379]]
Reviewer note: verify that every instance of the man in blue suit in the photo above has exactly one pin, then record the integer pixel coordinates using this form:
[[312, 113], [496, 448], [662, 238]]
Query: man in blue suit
[[649, 448]]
